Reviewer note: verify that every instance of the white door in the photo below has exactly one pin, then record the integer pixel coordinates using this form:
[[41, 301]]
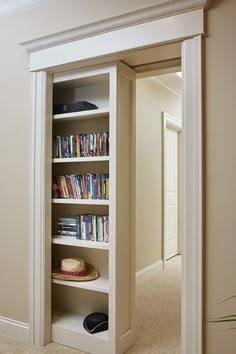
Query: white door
[[170, 193]]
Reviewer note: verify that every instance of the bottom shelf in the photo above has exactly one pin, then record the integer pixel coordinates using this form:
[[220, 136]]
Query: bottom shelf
[[67, 329]]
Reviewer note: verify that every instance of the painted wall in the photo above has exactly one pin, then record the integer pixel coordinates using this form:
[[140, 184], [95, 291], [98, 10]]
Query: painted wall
[[15, 129], [219, 152], [220, 175], [151, 100]]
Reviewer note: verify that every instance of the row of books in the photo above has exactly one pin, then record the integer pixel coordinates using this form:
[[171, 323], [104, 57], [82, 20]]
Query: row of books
[[86, 186], [81, 145], [85, 227]]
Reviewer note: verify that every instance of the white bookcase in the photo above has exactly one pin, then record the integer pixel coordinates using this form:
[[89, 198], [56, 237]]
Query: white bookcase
[[111, 89]]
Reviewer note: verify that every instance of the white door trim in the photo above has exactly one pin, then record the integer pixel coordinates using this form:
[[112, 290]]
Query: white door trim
[[192, 170], [192, 196], [165, 8], [163, 30], [170, 122]]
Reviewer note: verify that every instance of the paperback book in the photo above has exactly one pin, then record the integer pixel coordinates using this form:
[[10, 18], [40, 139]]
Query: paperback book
[[86, 186], [81, 145], [85, 227]]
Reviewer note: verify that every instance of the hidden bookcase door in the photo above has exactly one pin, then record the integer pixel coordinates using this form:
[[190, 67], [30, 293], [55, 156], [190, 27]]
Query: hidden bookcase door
[[111, 89]]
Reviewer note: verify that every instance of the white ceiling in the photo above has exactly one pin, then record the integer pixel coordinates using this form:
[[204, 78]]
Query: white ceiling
[[171, 82], [11, 7]]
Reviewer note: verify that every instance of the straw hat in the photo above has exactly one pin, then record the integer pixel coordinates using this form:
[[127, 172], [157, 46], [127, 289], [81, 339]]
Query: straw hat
[[75, 269]]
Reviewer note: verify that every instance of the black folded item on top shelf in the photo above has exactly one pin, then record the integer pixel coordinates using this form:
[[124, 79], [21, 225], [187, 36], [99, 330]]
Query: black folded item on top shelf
[[73, 107]]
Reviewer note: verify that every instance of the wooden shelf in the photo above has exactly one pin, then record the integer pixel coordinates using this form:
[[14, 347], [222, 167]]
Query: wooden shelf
[[81, 159], [72, 241], [100, 284], [91, 114], [81, 201], [67, 329]]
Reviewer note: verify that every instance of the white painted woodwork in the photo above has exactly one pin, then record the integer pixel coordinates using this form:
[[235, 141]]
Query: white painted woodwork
[[72, 241], [119, 289], [81, 159], [40, 206], [81, 201], [166, 29], [82, 52], [14, 329], [192, 197], [170, 82], [161, 9], [170, 193], [68, 329], [157, 267], [91, 114], [100, 284]]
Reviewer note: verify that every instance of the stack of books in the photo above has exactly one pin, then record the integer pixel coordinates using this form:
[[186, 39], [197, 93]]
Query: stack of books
[[86, 186], [81, 145], [85, 227]]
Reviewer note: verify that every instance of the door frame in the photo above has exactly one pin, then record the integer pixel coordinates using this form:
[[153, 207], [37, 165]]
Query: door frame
[[186, 27], [170, 122]]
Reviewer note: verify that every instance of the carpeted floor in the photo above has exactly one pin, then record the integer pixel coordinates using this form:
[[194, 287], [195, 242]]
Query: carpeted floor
[[158, 317]]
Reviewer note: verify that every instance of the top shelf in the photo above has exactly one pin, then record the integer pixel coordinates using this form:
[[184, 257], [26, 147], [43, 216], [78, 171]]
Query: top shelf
[[81, 115]]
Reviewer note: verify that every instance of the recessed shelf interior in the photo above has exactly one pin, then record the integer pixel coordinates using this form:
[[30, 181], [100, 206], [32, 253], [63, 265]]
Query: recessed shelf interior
[[61, 210], [92, 167], [72, 301], [94, 89], [73, 322], [83, 126], [98, 258], [71, 305]]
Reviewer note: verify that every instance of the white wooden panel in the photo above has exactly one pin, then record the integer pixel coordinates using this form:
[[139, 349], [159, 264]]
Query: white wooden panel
[[192, 197], [40, 206], [171, 193], [153, 32]]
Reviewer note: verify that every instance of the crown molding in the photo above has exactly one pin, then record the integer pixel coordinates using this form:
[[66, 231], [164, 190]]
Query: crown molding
[[12, 7], [163, 9], [158, 81]]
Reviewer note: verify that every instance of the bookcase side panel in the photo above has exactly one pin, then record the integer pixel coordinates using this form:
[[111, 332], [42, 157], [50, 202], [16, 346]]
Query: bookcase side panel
[[124, 240], [112, 209]]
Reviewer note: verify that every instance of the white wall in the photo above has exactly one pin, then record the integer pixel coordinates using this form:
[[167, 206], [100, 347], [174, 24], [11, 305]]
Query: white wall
[[55, 16], [151, 100]]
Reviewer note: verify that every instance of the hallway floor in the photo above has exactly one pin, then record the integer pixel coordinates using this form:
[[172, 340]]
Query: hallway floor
[[158, 317], [159, 311]]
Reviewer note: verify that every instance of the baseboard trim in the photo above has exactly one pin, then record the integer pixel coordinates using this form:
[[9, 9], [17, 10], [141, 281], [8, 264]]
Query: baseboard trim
[[14, 329], [158, 266]]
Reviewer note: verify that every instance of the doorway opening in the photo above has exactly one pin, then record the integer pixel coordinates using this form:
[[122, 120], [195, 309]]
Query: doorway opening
[[158, 213], [192, 188]]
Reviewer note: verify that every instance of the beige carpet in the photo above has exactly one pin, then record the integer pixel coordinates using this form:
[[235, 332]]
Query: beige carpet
[[158, 317], [158, 311]]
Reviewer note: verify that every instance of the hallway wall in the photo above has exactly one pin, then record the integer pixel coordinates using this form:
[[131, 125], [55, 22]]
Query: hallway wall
[[218, 152], [151, 100]]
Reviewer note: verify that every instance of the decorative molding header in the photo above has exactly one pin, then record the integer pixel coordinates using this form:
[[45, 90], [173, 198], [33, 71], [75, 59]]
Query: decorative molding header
[[163, 9]]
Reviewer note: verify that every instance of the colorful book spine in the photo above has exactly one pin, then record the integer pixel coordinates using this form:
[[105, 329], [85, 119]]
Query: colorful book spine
[[85, 227], [94, 228], [89, 228], [81, 145], [86, 186], [105, 220], [83, 232], [99, 229]]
